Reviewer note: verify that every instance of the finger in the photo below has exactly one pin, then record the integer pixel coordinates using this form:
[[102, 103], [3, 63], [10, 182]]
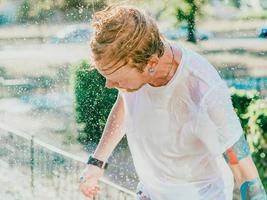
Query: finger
[[94, 190], [89, 191], [84, 191], [83, 188], [97, 189], [92, 193]]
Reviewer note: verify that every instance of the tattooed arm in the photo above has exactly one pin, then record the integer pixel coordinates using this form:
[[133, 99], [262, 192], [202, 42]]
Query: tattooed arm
[[245, 173]]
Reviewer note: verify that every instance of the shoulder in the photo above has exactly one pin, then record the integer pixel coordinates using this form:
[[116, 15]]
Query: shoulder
[[201, 71]]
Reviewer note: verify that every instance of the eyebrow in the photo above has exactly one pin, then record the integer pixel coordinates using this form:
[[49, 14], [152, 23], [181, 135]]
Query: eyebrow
[[114, 70], [118, 60]]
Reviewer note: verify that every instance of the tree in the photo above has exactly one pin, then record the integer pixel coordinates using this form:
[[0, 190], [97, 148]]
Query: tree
[[188, 12], [236, 3], [23, 13]]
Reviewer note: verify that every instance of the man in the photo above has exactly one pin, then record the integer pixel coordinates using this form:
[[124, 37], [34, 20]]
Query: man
[[176, 112]]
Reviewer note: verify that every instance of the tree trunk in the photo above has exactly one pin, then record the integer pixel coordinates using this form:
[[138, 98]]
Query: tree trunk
[[191, 24]]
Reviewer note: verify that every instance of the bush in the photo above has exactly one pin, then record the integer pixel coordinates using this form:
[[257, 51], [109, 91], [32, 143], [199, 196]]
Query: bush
[[252, 111], [257, 136], [241, 100], [93, 102]]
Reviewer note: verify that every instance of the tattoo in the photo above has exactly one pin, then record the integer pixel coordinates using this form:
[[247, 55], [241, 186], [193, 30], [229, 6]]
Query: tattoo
[[238, 151], [142, 196], [253, 190]]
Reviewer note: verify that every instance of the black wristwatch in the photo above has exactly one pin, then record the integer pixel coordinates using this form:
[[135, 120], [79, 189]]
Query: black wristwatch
[[96, 162]]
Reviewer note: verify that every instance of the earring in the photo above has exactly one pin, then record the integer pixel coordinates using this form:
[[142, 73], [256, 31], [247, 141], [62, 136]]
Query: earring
[[151, 70]]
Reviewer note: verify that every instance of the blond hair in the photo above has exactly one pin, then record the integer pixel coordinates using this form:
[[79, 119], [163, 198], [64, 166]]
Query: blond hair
[[124, 36]]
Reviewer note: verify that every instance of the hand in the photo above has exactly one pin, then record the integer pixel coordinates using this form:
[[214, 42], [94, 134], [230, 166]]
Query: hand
[[89, 183]]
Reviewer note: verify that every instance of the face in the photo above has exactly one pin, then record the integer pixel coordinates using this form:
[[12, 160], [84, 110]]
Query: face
[[125, 78]]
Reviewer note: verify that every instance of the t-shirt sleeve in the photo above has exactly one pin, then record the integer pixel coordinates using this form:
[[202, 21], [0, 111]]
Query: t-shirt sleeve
[[218, 125]]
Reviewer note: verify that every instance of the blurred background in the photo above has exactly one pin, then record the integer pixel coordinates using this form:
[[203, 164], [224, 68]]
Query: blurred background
[[53, 109]]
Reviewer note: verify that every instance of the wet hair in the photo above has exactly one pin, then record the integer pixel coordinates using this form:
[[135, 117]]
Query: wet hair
[[124, 35]]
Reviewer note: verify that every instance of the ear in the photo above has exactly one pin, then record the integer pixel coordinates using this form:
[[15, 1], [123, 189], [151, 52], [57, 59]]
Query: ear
[[153, 61], [151, 64]]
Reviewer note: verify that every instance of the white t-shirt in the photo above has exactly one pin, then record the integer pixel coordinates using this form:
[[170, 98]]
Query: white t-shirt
[[178, 132]]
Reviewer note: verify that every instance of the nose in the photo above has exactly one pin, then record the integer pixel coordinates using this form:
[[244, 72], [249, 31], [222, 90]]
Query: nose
[[110, 84]]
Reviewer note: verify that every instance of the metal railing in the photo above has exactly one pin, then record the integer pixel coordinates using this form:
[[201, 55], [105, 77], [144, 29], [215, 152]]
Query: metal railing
[[48, 167]]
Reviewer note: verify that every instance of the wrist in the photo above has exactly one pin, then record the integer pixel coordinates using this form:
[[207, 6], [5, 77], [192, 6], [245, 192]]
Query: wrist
[[99, 157], [252, 189], [92, 160]]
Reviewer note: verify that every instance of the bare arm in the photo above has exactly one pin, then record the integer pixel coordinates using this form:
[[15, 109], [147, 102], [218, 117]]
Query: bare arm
[[244, 171], [113, 132], [111, 136]]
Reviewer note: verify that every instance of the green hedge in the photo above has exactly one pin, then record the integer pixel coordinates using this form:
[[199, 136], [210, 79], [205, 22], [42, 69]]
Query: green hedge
[[241, 100], [93, 102]]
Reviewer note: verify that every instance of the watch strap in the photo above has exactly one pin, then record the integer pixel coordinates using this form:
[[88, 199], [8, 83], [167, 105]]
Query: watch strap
[[97, 162]]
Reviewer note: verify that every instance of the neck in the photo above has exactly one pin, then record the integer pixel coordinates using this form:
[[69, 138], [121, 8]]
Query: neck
[[167, 66]]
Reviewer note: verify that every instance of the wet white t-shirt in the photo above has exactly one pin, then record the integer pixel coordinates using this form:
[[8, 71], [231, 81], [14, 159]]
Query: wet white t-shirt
[[178, 132]]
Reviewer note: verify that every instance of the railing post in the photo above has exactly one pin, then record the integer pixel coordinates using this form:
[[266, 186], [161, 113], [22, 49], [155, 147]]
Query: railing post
[[32, 163]]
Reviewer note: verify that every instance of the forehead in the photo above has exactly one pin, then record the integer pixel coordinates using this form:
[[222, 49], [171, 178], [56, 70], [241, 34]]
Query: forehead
[[116, 73]]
